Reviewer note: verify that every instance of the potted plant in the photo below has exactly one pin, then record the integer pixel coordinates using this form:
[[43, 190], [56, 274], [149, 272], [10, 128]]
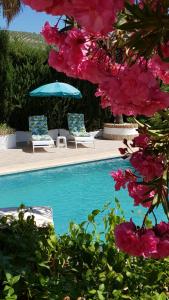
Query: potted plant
[[120, 130], [7, 137]]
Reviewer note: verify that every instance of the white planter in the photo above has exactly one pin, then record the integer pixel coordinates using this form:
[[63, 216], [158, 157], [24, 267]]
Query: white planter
[[7, 141], [120, 131]]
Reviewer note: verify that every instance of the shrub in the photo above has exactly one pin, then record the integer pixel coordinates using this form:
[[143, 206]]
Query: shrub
[[159, 121], [5, 129], [38, 264]]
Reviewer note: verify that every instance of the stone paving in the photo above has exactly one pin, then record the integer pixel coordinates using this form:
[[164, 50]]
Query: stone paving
[[23, 159]]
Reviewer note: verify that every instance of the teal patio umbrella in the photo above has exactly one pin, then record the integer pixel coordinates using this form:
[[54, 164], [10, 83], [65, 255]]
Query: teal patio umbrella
[[57, 89]]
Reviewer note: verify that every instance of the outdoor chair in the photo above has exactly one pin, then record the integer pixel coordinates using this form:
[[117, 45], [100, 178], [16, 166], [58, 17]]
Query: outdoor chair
[[39, 131], [77, 130]]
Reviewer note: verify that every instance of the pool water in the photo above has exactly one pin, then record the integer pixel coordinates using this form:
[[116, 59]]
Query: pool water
[[72, 191]]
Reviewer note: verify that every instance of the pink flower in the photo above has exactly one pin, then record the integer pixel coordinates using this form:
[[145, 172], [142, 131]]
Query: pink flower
[[148, 166], [149, 242], [141, 141], [127, 239], [139, 193], [93, 71], [105, 102], [89, 14], [162, 249], [134, 91], [146, 242], [57, 60], [131, 90], [159, 67], [74, 48], [122, 151], [120, 179], [92, 14], [162, 229], [52, 35], [136, 242], [39, 5], [71, 53]]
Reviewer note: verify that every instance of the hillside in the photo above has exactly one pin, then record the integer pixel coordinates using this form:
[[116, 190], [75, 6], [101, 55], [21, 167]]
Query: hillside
[[33, 39]]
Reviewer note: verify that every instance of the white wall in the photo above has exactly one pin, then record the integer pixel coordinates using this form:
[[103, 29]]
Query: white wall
[[7, 141]]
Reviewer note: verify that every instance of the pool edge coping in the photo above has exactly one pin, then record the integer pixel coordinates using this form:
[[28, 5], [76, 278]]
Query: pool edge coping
[[48, 166]]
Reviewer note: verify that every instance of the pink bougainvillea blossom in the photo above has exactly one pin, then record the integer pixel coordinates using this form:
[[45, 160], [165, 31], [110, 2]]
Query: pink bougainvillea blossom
[[39, 5], [119, 178], [149, 166], [124, 89], [70, 53], [162, 231], [162, 249], [134, 91], [159, 67], [92, 14], [139, 193], [135, 242], [89, 14], [122, 151], [141, 141], [77, 56], [126, 239], [52, 35], [149, 243]]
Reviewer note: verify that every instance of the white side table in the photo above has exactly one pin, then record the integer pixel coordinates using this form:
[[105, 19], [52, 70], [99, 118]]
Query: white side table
[[61, 141]]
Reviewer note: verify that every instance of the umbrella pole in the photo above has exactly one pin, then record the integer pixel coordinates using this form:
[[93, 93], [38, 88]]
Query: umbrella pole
[[59, 118]]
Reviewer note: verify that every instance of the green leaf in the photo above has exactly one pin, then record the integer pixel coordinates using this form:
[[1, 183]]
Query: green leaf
[[92, 292], [100, 295], [11, 291], [8, 276], [44, 265], [90, 218], [15, 279], [95, 212], [6, 288], [101, 287]]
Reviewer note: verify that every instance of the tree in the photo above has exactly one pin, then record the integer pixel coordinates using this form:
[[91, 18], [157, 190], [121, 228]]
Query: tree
[[10, 8], [5, 72]]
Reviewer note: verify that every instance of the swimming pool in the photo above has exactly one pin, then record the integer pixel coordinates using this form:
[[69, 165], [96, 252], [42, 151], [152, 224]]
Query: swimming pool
[[72, 191]]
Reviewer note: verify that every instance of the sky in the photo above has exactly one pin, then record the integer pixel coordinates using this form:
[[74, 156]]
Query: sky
[[29, 20]]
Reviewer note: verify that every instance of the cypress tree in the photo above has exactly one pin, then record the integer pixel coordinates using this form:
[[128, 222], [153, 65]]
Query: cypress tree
[[5, 82]]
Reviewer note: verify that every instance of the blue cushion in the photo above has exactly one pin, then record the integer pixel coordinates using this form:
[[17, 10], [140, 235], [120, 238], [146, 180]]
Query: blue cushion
[[76, 125], [38, 125]]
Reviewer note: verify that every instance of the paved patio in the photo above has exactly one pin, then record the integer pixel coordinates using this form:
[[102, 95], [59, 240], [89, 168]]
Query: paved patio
[[23, 159]]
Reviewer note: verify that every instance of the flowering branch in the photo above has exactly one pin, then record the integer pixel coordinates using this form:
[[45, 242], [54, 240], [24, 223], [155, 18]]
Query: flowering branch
[[123, 47]]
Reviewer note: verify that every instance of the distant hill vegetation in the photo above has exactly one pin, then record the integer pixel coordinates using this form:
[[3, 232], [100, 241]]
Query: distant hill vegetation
[[33, 39]]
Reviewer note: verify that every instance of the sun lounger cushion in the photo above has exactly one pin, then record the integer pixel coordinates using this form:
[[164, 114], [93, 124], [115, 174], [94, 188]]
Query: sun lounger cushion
[[42, 137], [76, 125], [38, 125]]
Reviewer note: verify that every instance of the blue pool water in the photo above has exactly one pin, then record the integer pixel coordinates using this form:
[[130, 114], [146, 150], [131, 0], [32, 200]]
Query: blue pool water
[[72, 191]]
